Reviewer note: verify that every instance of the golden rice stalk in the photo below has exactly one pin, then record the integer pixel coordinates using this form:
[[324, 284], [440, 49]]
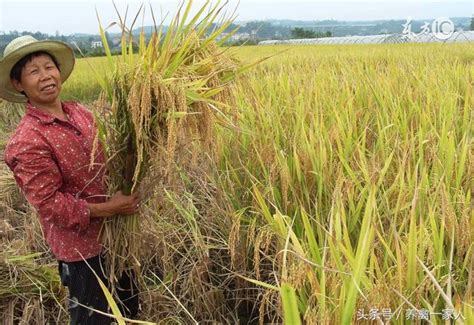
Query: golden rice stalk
[[164, 103]]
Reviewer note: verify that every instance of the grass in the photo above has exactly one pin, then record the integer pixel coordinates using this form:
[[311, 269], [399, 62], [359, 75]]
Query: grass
[[346, 185]]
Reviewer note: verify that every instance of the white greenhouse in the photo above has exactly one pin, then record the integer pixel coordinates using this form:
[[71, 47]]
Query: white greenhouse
[[465, 36]]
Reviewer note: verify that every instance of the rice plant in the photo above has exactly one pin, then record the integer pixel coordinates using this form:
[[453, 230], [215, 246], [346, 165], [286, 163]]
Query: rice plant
[[359, 172]]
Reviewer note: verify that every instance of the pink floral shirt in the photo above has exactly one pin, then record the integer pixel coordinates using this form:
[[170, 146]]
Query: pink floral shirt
[[50, 159]]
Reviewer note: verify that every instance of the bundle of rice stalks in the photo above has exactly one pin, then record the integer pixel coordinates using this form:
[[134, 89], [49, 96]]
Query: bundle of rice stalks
[[164, 101]]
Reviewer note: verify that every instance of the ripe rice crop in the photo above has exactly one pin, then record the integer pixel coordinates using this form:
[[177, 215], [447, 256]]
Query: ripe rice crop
[[345, 186]]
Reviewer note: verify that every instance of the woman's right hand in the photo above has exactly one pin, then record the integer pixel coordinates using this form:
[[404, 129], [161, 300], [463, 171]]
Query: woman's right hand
[[124, 204], [118, 204]]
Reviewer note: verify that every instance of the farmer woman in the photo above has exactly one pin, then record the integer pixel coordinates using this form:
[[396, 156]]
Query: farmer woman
[[49, 155]]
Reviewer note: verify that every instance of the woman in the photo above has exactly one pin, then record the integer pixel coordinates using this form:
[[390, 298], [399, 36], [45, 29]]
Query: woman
[[49, 154]]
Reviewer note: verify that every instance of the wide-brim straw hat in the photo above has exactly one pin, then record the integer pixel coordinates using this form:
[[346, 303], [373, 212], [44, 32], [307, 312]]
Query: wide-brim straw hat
[[22, 46]]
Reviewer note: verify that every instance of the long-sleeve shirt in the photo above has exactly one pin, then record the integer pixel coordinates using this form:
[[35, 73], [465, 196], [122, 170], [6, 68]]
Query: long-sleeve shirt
[[50, 160]]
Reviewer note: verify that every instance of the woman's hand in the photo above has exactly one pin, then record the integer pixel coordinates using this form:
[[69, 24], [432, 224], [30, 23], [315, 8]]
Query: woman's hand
[[119, 204], [124, 204]]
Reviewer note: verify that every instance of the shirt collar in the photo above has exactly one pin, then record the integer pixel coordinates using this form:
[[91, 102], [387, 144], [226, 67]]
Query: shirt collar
[[42, 116]]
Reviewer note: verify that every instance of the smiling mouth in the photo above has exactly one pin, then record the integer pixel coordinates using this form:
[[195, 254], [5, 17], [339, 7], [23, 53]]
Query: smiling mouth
[[48, 87]]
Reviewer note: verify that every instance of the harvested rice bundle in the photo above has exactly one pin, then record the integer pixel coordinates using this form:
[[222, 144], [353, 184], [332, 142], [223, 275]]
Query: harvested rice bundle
[[21, 275], [164, 103], [30, 290]]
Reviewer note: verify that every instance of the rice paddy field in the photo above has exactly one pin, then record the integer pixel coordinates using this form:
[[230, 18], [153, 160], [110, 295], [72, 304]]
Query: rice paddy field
[[342, 193]]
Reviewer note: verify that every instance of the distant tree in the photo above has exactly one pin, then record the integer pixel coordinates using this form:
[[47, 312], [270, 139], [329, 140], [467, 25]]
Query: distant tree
[[259, 29], [39, 35], [472, 23], [299, 32]]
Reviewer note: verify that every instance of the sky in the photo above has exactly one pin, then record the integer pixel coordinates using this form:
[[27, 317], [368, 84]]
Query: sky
[[79, 16]]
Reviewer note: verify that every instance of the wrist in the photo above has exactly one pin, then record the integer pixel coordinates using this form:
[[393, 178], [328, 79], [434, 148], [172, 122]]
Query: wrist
[[105, 209]]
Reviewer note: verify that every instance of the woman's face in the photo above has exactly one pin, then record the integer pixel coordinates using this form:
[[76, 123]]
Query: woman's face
[[40, 80]]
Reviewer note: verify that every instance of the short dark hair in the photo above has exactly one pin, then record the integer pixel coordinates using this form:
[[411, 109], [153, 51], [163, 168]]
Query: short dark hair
[[15, 72]]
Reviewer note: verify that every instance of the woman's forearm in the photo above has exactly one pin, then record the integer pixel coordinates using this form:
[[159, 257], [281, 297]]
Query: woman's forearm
[[101, 210]]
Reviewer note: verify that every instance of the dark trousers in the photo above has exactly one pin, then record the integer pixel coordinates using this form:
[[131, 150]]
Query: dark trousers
[[84, 289]]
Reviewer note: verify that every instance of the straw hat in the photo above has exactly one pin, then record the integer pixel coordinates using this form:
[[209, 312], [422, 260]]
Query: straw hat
[[22, 46]]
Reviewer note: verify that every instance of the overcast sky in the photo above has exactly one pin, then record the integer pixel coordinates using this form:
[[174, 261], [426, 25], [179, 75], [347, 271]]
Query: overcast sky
[[78, 16]]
